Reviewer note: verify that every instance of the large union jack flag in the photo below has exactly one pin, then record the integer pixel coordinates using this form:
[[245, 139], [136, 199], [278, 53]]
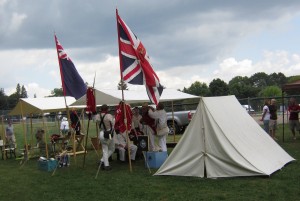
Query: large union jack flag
[[135, 63], [72, 83]]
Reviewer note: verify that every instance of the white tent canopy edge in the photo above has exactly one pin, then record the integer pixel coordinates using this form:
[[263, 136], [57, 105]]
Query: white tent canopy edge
[[113, 97]]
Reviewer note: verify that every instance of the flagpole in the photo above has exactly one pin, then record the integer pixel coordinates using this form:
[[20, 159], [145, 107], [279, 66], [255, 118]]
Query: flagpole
[[123, 100], [64, 91], [88, 127]]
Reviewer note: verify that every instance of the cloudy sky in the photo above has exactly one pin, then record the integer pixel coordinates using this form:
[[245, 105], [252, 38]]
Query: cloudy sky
[[187, 41]]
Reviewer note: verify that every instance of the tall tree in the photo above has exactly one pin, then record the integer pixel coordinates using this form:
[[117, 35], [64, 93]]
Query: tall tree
[[13, 99], [3, 100], [241, 87], [198, 89], [277, 79], [218, 87], [271, 91], [18, 90], [23, 92], [259, 80], [56, 92]]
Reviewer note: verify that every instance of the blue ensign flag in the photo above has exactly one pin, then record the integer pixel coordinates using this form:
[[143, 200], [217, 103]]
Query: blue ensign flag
[[72, 83]]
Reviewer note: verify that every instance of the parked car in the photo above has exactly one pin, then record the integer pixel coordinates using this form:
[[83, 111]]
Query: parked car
[[248, 108], [181, 120]]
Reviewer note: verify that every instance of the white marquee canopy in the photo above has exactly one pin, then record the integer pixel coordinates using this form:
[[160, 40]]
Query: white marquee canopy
[[113, 97]]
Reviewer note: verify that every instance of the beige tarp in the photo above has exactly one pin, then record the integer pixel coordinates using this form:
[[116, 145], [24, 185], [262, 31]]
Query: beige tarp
[[28, 106]]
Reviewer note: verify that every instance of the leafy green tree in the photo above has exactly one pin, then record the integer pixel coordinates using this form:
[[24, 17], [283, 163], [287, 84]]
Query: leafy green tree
[[277, 79], [198, 89], [241, 87], [57, 92], [23, 92], [293, 78], [259, 80], [271, 91], [3, 100], [13, 99], [18, 90], [218, 87]]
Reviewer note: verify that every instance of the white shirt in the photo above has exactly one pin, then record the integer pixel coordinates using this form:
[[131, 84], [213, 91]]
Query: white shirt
[[64, 125], [160, 116], [267, 115]]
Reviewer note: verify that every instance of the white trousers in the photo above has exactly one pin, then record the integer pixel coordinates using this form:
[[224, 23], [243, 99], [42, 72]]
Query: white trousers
[[147, 130], [162, 142], [133, 149], [108, 148]]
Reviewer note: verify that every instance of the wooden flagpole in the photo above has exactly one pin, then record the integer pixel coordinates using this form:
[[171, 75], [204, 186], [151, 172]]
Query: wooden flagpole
[[123, 101], [64, 91], [88, 127]]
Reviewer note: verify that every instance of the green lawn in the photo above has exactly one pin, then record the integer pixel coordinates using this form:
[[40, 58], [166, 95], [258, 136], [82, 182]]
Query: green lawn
[[26, 182]]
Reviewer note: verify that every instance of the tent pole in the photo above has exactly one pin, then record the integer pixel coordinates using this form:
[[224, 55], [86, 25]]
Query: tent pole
[[45, 137], [174, 140], [31, 129], [204, 137], [57, 121], [26, 154], [3, 137], [282, 98]]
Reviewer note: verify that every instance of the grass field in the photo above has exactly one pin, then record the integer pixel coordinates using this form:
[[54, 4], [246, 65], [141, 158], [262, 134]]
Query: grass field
[[26, 182]]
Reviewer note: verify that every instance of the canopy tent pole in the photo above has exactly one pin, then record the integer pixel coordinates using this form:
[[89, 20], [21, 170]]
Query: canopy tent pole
[[173, 122], [45, 137], [26, 154], [57, 120], [31, 129], [3, 137], [282, 98]]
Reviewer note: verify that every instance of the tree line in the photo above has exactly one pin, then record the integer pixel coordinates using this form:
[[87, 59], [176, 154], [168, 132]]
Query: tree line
[[9, 102], [258, 85]]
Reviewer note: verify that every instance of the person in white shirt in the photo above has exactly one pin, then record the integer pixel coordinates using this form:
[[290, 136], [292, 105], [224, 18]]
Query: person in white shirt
[[9, 133], [266, 116], [121, 144], [64, 126], [160, 116], [106, 123]]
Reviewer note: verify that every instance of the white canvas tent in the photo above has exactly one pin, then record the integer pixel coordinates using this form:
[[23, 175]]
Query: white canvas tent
[[113, 97], [27, 106], [223, 140]]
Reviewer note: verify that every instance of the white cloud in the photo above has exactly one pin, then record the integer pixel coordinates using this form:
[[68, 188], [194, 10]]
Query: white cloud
[[34, 89], [272, 62], [16, 21]]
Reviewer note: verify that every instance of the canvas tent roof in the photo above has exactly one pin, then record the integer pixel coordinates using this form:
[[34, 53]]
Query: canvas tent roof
[[113, 97], [223, 140], [41, 105]]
